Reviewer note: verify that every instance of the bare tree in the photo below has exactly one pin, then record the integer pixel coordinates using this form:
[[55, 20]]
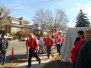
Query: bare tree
[[46, 20], [4, 12], [61, 19], [43, 18]]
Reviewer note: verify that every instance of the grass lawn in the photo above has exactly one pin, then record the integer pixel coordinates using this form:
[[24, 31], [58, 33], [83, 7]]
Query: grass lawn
[[57, 63]]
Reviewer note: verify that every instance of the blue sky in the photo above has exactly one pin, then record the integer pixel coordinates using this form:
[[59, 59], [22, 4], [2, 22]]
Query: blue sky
[[27, 8]]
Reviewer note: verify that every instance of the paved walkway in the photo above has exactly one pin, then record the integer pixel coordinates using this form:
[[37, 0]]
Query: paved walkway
[[35, 64]]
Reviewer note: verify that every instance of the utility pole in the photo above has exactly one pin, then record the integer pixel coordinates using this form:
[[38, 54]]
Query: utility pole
[[55, 26], [1, 11]]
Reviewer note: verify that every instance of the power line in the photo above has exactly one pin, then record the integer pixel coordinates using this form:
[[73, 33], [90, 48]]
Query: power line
[[36, 5], [42, 3]]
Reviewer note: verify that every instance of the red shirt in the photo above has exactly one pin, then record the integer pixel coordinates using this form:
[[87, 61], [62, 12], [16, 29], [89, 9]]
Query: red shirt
[[76, 49], [62, 39], [32, 43], [48, 42], [58, 40]]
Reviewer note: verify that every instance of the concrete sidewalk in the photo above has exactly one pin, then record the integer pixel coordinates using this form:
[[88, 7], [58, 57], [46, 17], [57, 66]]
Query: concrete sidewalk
[[35, 64]]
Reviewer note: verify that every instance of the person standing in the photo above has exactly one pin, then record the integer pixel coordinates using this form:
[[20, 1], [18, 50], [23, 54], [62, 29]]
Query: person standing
[[32, 44], [41, 45], [3, 47], [79, 42], [75, 51], [80, 36], [84, 56], [58, 44]]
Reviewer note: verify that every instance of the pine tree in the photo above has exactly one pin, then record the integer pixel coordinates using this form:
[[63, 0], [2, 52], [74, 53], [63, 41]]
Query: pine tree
[[82, 20]]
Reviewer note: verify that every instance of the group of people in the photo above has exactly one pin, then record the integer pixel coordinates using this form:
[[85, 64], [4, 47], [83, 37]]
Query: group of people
[[80, 53], [43, 45]]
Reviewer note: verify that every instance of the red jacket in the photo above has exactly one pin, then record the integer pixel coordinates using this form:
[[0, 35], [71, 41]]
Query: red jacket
[[62, 39], [58, 40], [48, 42], [32, 43], [76, 49]]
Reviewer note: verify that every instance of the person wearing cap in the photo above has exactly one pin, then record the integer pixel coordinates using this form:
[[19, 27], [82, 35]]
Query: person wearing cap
[[75, 50], [32, 44], [84, 56], [3, 48]]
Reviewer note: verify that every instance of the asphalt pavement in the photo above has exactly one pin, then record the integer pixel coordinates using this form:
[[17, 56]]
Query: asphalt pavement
[[20, 49]]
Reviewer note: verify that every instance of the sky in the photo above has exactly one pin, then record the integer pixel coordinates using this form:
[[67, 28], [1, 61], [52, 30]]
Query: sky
[[28, 8]]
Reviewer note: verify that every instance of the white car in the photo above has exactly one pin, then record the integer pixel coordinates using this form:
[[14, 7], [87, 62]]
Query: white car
[[9, 37], [24, 38]]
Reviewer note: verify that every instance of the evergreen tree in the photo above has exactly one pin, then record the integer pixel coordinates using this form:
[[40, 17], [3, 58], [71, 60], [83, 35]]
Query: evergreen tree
[[82, 20]]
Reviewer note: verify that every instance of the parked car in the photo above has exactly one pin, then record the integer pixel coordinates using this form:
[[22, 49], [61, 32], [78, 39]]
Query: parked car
[[9, 37], [24, 38]]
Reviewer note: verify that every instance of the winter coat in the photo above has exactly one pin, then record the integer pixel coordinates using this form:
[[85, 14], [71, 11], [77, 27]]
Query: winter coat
[[76, 49], [32, 43], [3, 44], [84, 56]]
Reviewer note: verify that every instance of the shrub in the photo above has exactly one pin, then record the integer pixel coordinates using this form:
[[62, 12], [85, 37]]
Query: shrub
[[15, 36]]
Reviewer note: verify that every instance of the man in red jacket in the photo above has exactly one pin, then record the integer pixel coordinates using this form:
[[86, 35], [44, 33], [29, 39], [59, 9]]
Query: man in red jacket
[[32, 44]]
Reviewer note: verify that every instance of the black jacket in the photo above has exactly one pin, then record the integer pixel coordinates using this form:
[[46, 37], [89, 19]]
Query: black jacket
[[3, 44]]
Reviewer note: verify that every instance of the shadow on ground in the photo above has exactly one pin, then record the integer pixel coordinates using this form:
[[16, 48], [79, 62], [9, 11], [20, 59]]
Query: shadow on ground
[[17, 60], [33, 66], [16, 57], [58, 64]]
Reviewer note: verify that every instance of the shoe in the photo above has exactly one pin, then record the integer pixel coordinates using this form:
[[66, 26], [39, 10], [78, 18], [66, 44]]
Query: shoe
[[52, 55], [39, 61], [2, 63]]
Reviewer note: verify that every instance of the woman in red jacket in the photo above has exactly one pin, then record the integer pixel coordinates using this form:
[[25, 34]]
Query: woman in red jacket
[[75, 51], [80, 40]]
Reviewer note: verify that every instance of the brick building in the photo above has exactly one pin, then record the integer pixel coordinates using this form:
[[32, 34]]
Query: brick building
[[13, 25]]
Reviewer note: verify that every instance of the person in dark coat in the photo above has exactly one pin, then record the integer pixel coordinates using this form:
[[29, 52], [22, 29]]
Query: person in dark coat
[[84, 56], [3, 47]]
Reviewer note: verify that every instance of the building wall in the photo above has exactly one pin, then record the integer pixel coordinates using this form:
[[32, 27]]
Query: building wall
[[15, 25], [15, 29]]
